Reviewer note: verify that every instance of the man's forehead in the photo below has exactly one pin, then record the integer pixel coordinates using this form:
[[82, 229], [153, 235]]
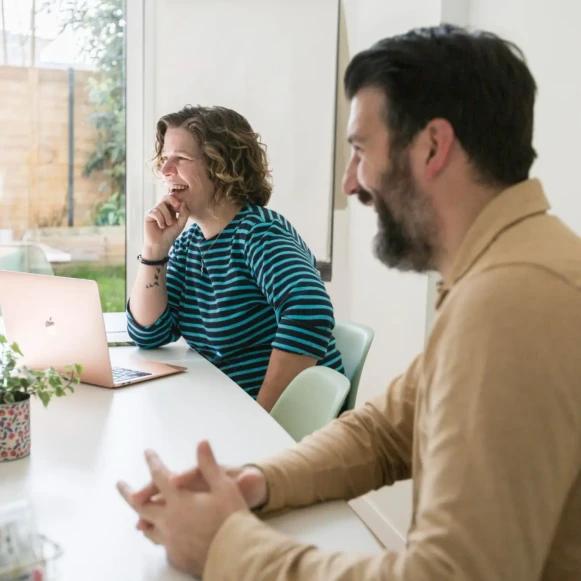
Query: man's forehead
[[367, 109]]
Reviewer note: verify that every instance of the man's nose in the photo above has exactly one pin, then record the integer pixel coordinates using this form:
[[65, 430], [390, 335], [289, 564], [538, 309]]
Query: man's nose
[[350, 184]]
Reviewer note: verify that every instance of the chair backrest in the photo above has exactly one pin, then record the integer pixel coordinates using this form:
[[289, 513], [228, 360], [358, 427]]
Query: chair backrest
[[24, 257], [353, 341], [311, 400]]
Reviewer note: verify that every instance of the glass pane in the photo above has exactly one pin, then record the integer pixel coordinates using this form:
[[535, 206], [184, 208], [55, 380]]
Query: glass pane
[[62, 141]]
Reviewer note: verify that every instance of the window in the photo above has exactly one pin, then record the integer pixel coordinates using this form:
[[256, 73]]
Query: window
[[62, 136]]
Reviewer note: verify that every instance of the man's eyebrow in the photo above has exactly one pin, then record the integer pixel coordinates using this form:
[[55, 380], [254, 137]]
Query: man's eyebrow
[[354, 138]]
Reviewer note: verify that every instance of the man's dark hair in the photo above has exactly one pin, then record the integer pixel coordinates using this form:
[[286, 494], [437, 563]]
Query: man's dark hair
[[477, 81]]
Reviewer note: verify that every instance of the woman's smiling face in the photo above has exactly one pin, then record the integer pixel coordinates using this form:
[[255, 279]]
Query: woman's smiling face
[[185, 172]]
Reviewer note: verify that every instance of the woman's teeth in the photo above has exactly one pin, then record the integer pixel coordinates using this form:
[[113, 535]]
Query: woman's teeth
[[177, 188]]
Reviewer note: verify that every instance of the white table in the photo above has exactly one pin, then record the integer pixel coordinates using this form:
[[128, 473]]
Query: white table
[[83, 443]]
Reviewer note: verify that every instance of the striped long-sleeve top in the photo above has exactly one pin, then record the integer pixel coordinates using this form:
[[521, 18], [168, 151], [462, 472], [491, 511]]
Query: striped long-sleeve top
[[236, 296]]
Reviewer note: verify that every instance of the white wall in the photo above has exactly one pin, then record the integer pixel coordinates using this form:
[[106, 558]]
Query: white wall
[[274, 61], [548, 33]]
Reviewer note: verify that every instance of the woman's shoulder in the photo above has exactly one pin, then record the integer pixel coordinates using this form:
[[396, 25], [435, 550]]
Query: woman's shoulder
[[258, 220], [262, 226]]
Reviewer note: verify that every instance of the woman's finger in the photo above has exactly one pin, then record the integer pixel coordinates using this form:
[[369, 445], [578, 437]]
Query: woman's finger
[[172, 201], [166, 212], [155, 215]]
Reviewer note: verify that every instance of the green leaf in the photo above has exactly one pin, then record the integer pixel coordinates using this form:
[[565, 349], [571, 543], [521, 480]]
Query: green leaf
[[44, 397], [43, 383]]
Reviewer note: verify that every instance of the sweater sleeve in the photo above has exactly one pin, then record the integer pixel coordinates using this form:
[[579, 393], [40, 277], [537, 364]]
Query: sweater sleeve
[[166, 329], [285, 271]]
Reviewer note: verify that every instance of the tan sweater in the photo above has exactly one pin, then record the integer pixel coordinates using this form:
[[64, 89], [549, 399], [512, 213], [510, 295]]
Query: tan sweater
[[487, 422]]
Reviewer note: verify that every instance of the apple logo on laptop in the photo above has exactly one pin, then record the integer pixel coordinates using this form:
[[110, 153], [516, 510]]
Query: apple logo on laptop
[[50, 327]]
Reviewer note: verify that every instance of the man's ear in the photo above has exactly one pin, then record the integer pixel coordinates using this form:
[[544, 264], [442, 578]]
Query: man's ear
[[439, 138]]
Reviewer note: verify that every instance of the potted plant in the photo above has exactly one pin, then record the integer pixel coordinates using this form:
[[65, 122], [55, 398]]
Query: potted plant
[[17, 384]]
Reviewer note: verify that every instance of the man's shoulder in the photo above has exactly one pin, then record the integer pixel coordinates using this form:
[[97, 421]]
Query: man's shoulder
[[543, 244], [508, 302], [504, 284]]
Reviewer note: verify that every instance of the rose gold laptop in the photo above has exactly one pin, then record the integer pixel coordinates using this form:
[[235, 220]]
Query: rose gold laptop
[[58, 321]]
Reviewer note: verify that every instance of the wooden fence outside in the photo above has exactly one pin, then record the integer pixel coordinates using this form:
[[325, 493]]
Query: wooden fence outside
[[34, 149]]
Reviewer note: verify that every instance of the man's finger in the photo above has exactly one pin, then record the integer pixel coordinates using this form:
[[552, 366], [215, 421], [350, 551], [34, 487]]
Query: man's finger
[[149, 511], [159, 472], [192, 480], [127, 493], [143, 525], [145, 494], [207, 464], [153, 534]]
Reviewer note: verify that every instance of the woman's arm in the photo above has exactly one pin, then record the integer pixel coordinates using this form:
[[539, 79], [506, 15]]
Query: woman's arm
[[149, 292], [152, 309], [285, 271], [282, 369], [162, 226]]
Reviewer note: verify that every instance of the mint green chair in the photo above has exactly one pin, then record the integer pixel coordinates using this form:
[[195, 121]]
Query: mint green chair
[[311, 400], [353, 341]]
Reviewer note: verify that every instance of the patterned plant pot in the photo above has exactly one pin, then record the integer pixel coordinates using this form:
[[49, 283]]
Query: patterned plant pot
[[15, 428]]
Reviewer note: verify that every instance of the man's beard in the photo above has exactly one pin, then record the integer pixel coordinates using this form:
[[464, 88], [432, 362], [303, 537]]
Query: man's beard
[[406, 238]]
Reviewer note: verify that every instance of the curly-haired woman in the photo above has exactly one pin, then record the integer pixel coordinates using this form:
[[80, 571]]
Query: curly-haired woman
[[239, 285]]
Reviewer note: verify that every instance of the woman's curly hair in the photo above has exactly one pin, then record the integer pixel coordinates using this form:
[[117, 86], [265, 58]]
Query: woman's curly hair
[[235, 157]]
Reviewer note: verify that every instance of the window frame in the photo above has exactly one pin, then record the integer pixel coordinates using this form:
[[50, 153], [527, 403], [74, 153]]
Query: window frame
[[140, 121]]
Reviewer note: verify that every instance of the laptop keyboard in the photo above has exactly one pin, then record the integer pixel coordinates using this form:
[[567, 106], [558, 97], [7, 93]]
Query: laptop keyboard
[[121, 375]]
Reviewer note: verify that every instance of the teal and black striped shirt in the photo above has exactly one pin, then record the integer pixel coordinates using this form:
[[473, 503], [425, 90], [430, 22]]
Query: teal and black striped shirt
[[238, 295]]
